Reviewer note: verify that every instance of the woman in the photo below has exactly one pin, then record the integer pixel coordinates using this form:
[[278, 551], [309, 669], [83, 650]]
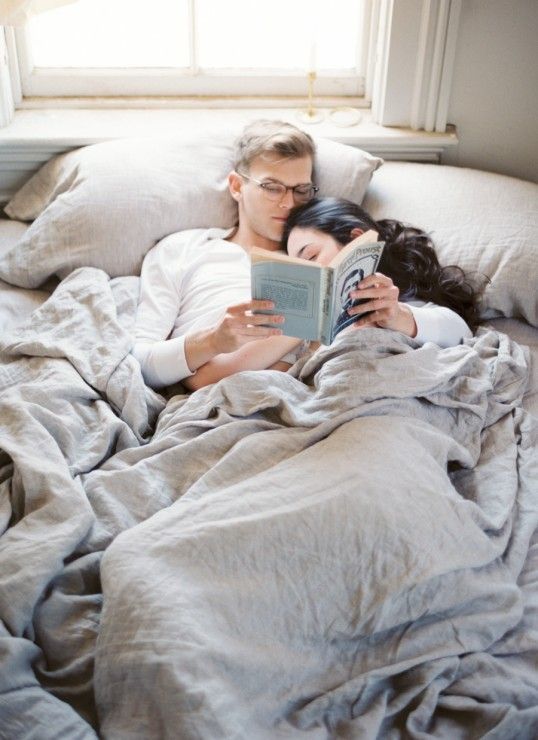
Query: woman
[[409, 274], [410, 293]]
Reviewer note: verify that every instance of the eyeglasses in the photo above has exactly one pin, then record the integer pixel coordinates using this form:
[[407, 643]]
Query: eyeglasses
[[277, 190]]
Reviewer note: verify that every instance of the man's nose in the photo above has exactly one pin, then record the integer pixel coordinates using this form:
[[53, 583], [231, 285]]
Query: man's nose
[[287, 200]]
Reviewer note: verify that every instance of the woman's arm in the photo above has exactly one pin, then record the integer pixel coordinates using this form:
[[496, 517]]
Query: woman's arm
[[423, 322], [440, 325]]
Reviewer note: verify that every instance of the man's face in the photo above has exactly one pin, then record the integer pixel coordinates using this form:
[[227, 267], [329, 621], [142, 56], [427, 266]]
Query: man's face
[[261, 220]]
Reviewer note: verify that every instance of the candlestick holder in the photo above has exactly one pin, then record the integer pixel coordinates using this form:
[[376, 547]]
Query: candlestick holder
[[310, 114]]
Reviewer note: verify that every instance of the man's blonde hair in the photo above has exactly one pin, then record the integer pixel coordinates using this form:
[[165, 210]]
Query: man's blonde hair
[[266, 137]]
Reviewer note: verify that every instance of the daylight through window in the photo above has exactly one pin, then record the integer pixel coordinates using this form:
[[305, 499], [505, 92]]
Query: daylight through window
[[195, 46]]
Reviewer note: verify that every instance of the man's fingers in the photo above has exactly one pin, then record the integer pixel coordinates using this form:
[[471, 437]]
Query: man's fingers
[[258, 332], [244, 314], [257, 319], [254, 305]]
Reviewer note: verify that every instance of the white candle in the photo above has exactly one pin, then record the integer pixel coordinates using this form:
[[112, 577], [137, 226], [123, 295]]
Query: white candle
[[312, 65]]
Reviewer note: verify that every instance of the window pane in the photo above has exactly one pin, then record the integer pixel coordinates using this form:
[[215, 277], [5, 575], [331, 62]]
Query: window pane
[[279, 34], [112, 33]]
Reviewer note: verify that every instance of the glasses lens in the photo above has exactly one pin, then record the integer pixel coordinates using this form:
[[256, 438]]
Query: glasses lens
[[277, 191], [273, 190], [303, 193]]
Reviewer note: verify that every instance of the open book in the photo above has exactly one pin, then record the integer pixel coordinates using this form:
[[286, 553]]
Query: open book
[[314, 299]]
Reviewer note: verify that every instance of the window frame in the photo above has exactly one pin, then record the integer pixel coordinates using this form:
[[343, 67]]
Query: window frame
[[189, 81], [409, 64]]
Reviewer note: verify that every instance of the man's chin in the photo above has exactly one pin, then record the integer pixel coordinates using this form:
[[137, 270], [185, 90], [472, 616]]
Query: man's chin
[[274, 237], [276, 232], [269, 232]]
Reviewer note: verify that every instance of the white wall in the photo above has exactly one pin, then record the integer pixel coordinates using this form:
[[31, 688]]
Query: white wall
[[494, 98]]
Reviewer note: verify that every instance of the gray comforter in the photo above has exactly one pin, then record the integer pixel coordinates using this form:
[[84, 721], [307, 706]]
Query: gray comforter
[[346, 550]]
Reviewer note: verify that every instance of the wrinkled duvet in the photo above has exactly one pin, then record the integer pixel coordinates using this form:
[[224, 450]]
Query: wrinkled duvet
[[348, 550]]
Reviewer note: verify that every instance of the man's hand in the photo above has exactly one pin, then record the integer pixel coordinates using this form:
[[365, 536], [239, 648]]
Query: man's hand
[[241, 325], [237, 327], [382, 299]]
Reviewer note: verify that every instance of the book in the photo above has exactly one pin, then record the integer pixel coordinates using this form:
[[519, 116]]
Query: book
[[313, 298]]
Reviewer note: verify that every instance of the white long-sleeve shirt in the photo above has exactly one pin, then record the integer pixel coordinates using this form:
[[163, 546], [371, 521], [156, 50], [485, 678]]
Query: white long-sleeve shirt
[[190, 278]]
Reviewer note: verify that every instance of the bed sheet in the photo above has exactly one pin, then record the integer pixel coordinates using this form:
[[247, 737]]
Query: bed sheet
[[527, 336], [280, 554]]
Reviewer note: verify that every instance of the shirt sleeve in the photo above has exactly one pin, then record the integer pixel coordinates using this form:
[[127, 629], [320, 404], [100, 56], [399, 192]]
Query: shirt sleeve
[[439, 324], [162, 360]]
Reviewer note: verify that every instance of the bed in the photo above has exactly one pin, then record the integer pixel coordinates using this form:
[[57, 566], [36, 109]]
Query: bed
[[346, 550]]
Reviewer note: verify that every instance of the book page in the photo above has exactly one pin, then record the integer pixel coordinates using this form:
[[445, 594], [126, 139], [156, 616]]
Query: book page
[[258, 254], [297, 289], [368, 237]]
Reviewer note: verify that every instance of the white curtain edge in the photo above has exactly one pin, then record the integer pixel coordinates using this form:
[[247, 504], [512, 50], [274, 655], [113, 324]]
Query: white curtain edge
[[17, 12]]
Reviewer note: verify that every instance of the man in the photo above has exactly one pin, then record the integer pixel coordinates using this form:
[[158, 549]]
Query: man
[[189, 279], [196, 320]]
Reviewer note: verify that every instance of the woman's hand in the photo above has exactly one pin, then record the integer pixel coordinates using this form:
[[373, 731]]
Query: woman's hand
[[382, 300]]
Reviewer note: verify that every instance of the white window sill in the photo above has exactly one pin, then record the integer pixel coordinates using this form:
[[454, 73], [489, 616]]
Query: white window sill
[[35, 135]]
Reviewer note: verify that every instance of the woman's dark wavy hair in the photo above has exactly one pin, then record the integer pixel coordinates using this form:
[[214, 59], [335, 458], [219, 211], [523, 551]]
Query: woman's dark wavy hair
[[409, 256]]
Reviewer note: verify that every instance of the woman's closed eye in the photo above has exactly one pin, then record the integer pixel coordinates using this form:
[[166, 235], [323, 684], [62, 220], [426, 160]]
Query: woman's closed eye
[[309, 253]]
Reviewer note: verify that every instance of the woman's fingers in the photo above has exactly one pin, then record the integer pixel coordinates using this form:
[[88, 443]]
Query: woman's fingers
[[376, 279], [375, 305], [373, 319]]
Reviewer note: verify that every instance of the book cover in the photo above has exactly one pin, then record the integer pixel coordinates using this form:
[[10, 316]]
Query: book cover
[[313, 298]]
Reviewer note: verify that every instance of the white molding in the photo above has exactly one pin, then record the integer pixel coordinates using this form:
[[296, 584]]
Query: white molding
[[379, 83], [445, 85], [422, 67], [364, 34], [193, 45], [437, 57], [369, 76], [188, 103], [7, 104], [107, 82], [16, 89]]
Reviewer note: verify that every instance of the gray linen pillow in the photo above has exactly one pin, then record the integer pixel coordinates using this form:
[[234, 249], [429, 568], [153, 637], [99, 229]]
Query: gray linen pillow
[[483, 222], [107, 204]]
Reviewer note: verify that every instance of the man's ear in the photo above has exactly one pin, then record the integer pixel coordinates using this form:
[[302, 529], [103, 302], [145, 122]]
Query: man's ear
[[356, 232], [235, 184]]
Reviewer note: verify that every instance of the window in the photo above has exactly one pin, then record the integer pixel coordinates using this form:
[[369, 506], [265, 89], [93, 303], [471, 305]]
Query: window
[[195, 47]]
